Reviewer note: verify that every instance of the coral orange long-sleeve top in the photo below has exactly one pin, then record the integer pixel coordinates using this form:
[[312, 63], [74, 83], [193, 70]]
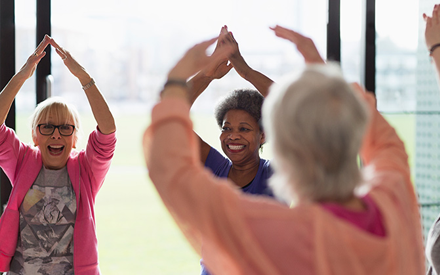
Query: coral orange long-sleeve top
[[243, 234]]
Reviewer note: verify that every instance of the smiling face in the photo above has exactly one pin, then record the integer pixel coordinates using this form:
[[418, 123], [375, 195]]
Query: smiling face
[[241, 137], [55, 148]]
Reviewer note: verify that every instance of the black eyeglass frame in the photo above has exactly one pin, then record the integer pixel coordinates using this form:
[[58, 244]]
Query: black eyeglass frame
[[56, 127]]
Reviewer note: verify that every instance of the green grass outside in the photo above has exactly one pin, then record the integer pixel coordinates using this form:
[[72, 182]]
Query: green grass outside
[[405, 125], [136, 233]]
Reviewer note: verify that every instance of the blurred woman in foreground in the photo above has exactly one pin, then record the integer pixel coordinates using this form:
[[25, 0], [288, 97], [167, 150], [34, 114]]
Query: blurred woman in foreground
[[341, 223]]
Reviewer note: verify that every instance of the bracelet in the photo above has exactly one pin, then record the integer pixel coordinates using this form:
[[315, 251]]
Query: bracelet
[[433, 48], [174, 82], [177, 82], [88, 85]]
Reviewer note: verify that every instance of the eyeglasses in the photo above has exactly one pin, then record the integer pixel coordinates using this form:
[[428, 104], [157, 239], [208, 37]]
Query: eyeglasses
[[49, 129]]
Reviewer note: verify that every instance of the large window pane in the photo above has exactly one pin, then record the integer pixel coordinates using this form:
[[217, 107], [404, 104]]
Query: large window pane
[[427, 122], [128, 47], [25, 33]]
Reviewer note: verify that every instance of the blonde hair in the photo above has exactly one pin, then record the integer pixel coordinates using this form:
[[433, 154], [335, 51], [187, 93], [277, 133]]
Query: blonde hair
[[58, 109], [316, 124]]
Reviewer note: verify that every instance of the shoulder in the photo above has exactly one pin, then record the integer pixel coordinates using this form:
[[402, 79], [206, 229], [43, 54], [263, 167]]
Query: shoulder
[[265, 168], [217, 163]]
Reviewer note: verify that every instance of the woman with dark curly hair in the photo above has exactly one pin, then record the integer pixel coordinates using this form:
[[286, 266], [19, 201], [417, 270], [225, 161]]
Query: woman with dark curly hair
[[239, 117]]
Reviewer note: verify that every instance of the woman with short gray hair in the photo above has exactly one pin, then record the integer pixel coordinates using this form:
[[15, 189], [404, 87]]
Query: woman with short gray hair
[[340, 223]]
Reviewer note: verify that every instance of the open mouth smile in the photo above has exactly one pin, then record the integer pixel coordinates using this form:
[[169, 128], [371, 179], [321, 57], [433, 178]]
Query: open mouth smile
[[235, 147], [55, 149]]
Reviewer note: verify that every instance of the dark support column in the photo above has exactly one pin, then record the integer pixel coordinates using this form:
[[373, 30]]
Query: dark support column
[[44, 67], [7, 70], [334, 31], [370, 46]]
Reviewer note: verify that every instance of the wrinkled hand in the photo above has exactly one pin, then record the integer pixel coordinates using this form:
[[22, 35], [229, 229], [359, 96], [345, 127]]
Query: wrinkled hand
[[29, 67], [196, 59], [305, 45], [74, 67], [432, 30]]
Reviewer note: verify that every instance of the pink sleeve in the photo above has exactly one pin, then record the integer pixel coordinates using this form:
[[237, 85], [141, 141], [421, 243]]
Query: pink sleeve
[[391, 180], [12, 151], [382, 147], [98, 155]]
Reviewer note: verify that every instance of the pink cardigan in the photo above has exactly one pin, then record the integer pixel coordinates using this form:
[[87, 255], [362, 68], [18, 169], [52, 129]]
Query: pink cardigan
[[86, 169], [243, 234]]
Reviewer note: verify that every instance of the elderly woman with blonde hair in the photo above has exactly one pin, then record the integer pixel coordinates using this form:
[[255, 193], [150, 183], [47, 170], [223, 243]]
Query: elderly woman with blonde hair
[[341, 222], [48, 226]]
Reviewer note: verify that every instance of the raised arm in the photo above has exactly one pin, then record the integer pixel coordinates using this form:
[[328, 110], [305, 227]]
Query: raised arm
[[193, 61], [260, 81], [198, 84], [305, 45], [432, 36], [14, 85], [100, 109]]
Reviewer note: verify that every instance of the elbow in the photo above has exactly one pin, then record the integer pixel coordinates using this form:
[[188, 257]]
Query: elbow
[[107, 129]]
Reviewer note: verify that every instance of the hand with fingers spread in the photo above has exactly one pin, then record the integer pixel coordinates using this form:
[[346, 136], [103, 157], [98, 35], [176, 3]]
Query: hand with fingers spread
[[304, 44]]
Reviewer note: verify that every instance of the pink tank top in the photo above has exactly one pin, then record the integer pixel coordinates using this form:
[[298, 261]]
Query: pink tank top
[[369, 220]]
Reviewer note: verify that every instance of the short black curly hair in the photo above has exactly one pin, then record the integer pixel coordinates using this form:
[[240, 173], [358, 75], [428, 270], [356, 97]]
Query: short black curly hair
[[247, 100]]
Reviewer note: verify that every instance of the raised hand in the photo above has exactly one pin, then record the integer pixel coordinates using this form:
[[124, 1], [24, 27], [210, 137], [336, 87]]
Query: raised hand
[[100, 109], [236, 59], [305, 45], [74, 67], [218, 69], [29, 67], [196, 59], [14, 85], [260, 81], [432, 30]]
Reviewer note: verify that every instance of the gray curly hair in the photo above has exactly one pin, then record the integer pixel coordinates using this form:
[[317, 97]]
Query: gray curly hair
[[247, 100]]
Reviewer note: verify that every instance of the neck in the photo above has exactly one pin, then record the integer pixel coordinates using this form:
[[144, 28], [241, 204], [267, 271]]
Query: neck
[[243, 175]]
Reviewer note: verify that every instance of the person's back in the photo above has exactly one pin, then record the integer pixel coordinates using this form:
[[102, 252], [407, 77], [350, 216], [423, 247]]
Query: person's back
[[343, 221]]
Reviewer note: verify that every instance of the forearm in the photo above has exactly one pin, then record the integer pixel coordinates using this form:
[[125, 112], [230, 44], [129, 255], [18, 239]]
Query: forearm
[[259, 80], [100, 109], [8, 94], [197, 85], [436, 59], [382, 146]]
